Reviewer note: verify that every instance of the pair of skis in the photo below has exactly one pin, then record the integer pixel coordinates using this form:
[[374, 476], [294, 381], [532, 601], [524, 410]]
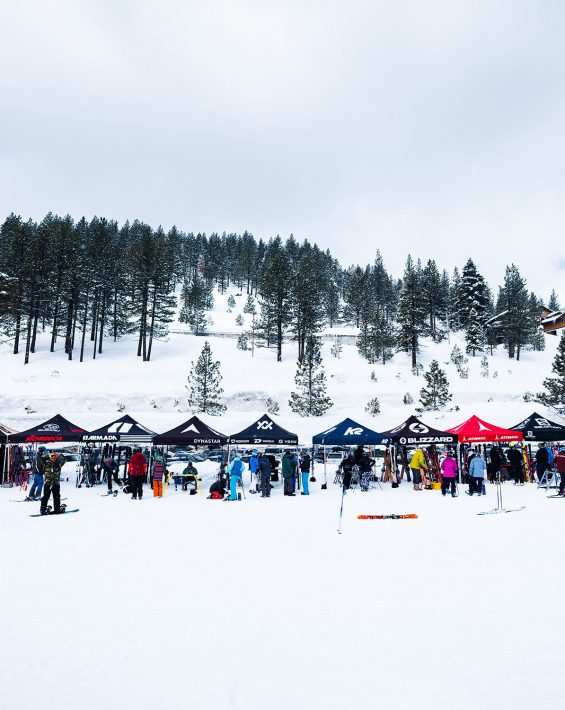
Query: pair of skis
[[392, 516]]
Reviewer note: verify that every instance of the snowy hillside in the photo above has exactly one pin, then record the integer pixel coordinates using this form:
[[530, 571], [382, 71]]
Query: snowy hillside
[[91, 393]]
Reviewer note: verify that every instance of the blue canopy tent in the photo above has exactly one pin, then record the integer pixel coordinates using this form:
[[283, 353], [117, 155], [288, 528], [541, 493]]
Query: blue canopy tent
[[347, 433]]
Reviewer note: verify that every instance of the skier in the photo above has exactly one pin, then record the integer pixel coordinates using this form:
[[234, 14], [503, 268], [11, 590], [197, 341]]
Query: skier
[[418, 466], [189, 475], [254, 468], [496, 462], [288, 472], [110, 469], [542, 461], [559, 461], [159, 470], [52, 475], [38, 465], [304, 463], [265, 470], [235, 470], [477, 470], [449, 471], [346, 466], [136, 469], [516, 460]]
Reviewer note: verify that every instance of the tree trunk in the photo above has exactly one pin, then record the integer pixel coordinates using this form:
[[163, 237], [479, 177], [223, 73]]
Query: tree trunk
[[102, 319], [34, 335], [151, 327], [84, 319], [69, 329]]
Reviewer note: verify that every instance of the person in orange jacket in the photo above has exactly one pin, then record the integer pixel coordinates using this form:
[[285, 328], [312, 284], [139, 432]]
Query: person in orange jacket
[[136, 469]]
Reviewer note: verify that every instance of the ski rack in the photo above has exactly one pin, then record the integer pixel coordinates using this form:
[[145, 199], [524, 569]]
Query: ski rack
[[499, 507]]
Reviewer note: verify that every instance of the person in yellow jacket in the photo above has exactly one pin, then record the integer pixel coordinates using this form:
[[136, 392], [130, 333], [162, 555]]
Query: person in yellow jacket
[[418, 467]]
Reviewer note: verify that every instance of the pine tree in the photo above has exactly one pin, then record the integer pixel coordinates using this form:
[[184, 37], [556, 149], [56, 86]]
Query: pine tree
[[435, 297], [436, 394], [411, 313], [250, 307], [311, 399], [484, 366], [373, 407], [553, 303], [231, 303], [275, 290], [473, 293], [337, 348], [555, 386], [204, 384], [475, 335], [514, 310], [272, 406]]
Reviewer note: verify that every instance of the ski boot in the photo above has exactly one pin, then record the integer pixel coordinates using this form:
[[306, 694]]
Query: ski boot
[[47, 511]]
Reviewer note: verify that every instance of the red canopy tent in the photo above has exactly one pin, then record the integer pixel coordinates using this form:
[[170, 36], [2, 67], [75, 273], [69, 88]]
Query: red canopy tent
[[477, 431]]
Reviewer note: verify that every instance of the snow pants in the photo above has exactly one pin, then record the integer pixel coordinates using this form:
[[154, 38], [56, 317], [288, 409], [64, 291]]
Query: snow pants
[[234, 481], [305, 476], [518, 473], [137, 486], [475, 485], [157, 488], [37, 486], [266, 485], [49, 488], [446, 483], [416, 475], [288, 485]]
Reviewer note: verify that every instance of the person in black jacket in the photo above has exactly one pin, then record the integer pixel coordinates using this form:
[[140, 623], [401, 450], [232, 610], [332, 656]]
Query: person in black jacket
[[264, 471], [347, 469], [516, 461], [305, 463], [542, 461], [496, 462]]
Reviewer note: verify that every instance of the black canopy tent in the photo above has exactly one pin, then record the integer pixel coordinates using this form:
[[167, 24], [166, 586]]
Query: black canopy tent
[[347, 433], [538, 428], [193, 432], [263, 432], [413, 431]]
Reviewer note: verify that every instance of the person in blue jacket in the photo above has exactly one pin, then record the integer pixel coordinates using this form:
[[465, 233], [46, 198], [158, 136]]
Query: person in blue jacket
[[477, 471], [235, 471], [254, 466]]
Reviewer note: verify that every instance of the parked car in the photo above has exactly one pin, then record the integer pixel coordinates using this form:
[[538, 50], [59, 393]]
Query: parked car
[[186, 457]]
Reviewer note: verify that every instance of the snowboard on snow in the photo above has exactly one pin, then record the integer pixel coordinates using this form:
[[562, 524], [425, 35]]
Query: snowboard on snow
[[392, 516], [29, 500], [50, 512], [106, 495]]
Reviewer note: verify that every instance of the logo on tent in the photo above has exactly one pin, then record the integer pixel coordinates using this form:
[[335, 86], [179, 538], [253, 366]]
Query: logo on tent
[[119, 428], [418, 428], [398, 428], [353, 431], [542, 423], [482, 427], [190, 428], [50, 427], [264, 424]]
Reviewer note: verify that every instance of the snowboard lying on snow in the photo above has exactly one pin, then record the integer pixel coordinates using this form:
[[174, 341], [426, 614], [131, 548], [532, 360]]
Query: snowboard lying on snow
[[51, 512]]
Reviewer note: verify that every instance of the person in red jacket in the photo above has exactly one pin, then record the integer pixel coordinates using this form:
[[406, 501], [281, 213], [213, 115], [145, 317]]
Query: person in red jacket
[[136, 469], [559, 462]]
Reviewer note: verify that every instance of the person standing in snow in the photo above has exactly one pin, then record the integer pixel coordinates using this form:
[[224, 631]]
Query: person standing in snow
[[288, 472], [496, 461], [366, 463], [477, 470], [235, 471], [254, 469], [418, 467], [265, 473], [346, 466], [304, 463], [449, 474], [516, 460], [159, 471], [542, 461], [136, 469], [52, 474], [110, 470], [559, 461], [38, 466]]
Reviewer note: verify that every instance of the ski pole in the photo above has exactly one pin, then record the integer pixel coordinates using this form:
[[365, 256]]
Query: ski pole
[[341, 509]]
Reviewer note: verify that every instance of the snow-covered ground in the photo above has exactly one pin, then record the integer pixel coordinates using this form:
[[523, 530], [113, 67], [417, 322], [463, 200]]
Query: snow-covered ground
[[183, 602], [93, 392]]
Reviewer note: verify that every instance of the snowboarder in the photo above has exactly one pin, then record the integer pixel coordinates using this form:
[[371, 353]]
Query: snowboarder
[[516, 459], [418, 467], [265, 470], [159, 471], [235, 471], [137, 468], [288, 472], [304, 463], [38, 465], [52, 475], [449, 473], [477, 470], [542, 461]]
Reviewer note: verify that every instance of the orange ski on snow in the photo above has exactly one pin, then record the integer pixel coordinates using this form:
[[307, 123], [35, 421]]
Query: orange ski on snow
[[393, 516]]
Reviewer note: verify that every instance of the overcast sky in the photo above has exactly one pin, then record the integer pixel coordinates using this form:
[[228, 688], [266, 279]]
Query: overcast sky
[[436, 127]]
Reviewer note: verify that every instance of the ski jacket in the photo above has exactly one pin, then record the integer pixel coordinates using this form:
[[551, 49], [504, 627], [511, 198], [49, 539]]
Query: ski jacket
[[137, 464], [347, 464], [236, 467], [288, 466], [542, 459], [418, 460], [496, 458], [515, 458], [253, 464], [449, 467], [550, 455], [159, 469], [305, 463], [190, 470], [52, 469], [366, 463], [265, 466], [477, 467], [560, 463]]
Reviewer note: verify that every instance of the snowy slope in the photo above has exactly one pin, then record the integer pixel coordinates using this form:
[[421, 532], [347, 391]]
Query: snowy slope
[[90, 393]]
